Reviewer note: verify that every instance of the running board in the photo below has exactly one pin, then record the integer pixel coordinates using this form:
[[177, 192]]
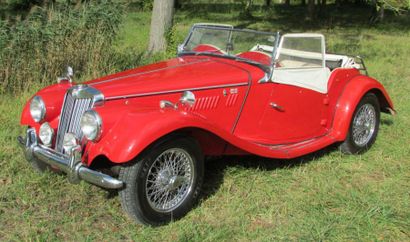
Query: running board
[[293, 150]]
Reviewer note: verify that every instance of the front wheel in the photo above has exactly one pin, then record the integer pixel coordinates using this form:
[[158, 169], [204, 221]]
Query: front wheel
[[164, 183], [364, 126]]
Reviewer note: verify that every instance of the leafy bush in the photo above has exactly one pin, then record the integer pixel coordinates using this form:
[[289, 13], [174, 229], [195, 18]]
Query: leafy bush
[[146, 4], [37, 50]]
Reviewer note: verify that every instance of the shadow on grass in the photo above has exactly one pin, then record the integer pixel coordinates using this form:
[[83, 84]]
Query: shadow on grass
[[386, 121], [215, 168]]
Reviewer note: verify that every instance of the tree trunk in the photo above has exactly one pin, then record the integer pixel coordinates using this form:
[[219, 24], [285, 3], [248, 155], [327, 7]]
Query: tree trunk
[[321, 13], [378, 12], [161, 21], [248, 6], [287, 2], [338, 3], [303, 2], [178, 4], [311, 9], [268, 2], [381, 12], [247, 10]]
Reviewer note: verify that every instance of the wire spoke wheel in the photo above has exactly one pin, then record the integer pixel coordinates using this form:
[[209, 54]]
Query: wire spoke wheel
[[163, 184], [169, 180], [364, 124]]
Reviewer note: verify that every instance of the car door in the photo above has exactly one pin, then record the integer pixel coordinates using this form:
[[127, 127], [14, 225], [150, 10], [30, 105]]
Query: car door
[[292, 114], [277, 113], [291, 106]]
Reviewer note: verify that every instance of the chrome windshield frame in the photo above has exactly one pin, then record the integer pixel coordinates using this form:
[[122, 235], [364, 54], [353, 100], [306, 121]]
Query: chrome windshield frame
[[180, 50]]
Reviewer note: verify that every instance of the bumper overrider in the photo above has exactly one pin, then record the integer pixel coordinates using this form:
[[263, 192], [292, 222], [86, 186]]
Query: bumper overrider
[[70, 164]]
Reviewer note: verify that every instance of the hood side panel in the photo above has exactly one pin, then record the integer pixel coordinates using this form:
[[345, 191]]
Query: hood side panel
[[174, 75]]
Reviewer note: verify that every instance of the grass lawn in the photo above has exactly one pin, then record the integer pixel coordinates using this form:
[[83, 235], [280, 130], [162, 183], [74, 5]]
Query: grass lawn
[[327, 196]]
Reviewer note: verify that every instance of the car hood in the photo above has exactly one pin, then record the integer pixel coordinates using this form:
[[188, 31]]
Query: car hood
[[183, 73]]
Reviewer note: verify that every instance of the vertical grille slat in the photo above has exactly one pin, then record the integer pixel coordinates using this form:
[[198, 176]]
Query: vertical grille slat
[[71, 112], [74, 115]]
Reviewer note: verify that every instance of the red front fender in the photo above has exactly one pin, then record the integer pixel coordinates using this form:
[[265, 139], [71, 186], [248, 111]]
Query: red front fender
[[352, 93], [135, 131]]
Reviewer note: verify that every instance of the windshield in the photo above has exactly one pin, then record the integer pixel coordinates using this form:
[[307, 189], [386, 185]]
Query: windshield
[[249, 46]]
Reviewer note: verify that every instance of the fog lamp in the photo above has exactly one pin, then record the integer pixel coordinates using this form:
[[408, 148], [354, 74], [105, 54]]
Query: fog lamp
[[69, 142], [46, 134]]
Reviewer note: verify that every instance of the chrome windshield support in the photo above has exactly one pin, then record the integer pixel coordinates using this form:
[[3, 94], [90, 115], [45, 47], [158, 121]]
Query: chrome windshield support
[[268, 78]]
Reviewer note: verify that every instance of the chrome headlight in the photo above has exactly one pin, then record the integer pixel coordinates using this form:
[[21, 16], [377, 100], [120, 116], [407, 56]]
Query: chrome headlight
[[37, 108], [91, 125], [46, 134]]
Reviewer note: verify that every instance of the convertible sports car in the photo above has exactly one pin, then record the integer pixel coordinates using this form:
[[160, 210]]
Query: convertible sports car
[[147, 130]]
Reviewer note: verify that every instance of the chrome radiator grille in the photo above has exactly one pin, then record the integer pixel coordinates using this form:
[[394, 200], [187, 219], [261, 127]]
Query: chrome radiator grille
[[77, 100]]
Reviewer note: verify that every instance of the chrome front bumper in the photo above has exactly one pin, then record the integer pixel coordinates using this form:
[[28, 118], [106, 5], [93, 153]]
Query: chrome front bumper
[[70, 164]]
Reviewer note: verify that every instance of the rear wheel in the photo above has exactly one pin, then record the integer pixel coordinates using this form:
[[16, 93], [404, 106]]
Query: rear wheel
[[164, 183], [364, 126]]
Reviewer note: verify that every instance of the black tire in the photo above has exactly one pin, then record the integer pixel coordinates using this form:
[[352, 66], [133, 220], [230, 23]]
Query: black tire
[[134, 197], [350, 146]]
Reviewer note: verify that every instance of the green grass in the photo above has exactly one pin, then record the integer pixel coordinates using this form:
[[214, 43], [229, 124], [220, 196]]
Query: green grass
[[328, 196], [135, 31]]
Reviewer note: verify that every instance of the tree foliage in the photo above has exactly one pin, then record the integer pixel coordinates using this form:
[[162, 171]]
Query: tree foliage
[[36, 50]]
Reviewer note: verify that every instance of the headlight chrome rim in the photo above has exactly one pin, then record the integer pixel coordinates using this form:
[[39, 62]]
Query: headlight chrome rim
[[91, 124], [46, 134], [37, 109]]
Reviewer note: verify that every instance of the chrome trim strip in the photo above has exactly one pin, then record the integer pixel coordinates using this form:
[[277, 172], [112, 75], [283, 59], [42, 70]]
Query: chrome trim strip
[[176, 91], [294, 143], [147, 72]]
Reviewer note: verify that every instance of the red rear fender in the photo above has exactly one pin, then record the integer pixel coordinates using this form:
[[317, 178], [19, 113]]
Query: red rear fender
[[351, 95]]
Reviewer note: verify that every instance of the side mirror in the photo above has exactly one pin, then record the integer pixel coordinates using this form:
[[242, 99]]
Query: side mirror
[[187, 98]]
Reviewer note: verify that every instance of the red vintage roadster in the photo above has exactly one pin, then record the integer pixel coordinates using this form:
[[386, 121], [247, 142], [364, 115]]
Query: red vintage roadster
[[147, 130]]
